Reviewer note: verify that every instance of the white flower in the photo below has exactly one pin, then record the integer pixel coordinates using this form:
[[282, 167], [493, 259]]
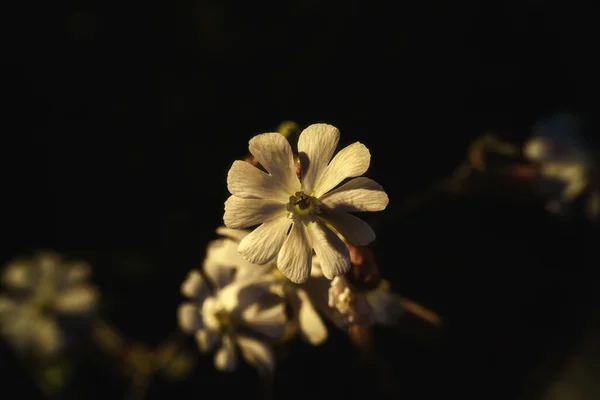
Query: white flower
[[232, 313], [299, 215], [40, 289], [222, 254], [565, 167], [352, 306]]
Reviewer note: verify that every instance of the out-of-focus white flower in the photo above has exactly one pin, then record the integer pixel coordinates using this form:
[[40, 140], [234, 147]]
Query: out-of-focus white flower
[[565, 166], [297, 214], [39, 290], [365, 308], [230, 313], [223, 254], [352, 306]]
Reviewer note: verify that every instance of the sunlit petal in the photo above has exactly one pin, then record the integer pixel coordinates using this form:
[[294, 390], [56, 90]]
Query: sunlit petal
[[243, 213], [246, 181], [350, 162], [274, 153], [316, 146]]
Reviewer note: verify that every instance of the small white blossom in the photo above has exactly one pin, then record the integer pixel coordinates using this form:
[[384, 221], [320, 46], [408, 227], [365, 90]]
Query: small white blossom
[[376, 306], [565, 166], [41, 289], [223, 253], [231, 313], [352, 306], [300, 214]]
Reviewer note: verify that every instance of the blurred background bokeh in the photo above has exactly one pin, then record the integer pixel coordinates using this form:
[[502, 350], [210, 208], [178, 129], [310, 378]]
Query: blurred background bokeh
[[120, 123]]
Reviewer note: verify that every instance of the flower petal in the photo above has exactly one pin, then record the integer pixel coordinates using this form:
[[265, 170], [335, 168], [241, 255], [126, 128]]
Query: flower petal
[[351, 161], [221, 261], [18, 275], [312, 328], [194, 286], [189, 317], [256, 353], [274, 153], [295, 257], [353, 229], [242, 213], [359, 194], [269, 322], [263, 244], [246, 181], [316, 146], [206, 339], [333, 254], [77, 299], [242, 293], [7, 305], [47, 337], [226, 357], [77, 272]]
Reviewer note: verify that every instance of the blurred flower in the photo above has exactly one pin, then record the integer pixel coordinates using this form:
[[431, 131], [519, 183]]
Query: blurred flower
[[363, 307], [565, 167], [223, 253], [352, 306], [299, 214], [227, 312], [41, 289]]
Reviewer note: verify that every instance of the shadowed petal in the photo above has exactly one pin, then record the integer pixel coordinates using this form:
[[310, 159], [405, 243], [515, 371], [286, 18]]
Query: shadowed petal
[[333, 254], [269, 322], [194, 286], [312, 328], [206, 339], [226, 357], [353, 229], [263, 244], [77, 299], [189, 317], [295, 257], [256, 353]]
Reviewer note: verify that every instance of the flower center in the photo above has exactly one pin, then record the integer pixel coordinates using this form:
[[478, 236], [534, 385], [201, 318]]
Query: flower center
[[302, 206]]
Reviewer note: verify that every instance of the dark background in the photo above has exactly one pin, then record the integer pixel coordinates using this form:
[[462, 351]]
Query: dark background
[[121, 121]]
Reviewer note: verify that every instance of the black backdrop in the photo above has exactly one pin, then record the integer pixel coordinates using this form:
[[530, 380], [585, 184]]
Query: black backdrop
[[121, 121]]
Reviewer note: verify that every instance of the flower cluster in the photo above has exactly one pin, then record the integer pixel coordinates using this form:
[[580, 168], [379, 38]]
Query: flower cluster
[[565, 168], [43, 292], [285, 277]]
